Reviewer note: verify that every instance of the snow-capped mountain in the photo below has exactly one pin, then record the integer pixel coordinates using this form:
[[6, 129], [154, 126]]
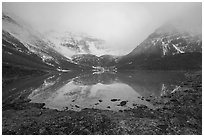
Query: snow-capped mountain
[[70, 43], [22, 45], [168, 40], [53, 50], [166, 43], [168, 47]]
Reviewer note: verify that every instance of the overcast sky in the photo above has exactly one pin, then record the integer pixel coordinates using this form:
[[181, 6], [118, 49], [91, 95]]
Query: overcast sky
[[122, 25]]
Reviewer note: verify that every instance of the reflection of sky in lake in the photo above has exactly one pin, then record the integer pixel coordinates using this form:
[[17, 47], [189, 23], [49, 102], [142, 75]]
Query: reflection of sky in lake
[[98, 90]]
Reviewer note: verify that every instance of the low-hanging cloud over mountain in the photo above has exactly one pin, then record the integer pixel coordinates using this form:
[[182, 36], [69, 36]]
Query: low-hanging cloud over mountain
[[122, 25]]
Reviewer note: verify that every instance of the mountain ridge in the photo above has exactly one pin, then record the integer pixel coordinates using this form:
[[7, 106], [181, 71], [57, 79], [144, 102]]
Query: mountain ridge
[[167, 44]]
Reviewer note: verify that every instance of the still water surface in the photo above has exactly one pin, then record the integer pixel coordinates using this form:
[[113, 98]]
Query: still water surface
[[107, 91]]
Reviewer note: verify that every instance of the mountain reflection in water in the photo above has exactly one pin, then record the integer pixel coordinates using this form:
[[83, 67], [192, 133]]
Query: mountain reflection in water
[[111, 91]]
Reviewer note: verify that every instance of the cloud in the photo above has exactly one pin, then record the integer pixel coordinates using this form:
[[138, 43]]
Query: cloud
[[122, 25]]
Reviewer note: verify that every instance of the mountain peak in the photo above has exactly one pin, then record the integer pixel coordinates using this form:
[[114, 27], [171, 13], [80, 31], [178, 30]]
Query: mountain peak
[[169, 40], [167, 28]]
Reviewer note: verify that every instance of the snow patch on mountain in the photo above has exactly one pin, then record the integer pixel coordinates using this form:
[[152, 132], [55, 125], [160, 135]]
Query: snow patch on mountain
[[165, 48], [179, 51], [26, 35], [69, 43], [31, 42]]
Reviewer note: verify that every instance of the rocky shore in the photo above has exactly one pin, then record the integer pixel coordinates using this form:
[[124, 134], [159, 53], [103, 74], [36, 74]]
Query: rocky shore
[[177, 112]]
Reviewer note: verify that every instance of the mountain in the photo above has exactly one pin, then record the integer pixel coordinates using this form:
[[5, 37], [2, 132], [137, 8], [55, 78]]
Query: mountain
[[94, 61], [168, 40], [24, 48], [86, 60], [70, 43], [108, 60], [167, 47]]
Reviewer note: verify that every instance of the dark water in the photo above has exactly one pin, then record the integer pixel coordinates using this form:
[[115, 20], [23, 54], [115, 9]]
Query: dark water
[[75, 91]]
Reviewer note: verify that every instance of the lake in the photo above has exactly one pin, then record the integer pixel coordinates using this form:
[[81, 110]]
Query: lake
[[106, 91]]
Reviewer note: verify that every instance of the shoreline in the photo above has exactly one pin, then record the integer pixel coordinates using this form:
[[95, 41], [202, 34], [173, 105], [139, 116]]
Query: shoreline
[[177, 113]]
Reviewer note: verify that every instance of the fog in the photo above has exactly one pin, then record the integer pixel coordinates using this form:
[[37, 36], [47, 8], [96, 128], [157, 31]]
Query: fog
[[122, 25]]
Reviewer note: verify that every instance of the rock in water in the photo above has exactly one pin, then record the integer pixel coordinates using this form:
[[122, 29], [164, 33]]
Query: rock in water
[[123, 103], [115, 100]]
